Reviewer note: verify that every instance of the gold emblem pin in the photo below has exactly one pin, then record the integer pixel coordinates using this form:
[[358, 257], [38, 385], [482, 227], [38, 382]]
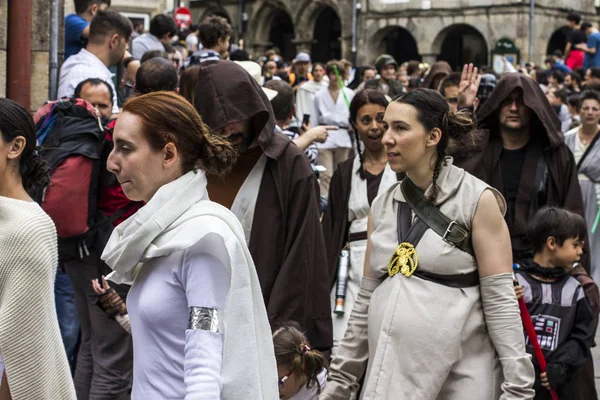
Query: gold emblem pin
[[404, 260]]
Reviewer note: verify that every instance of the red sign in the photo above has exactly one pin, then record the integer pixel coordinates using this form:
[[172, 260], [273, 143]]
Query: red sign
[[183, 17]]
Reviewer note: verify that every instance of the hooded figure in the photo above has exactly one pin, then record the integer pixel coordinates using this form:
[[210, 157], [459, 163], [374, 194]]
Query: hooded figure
[[540, 173], [439, 71], [274, 193]]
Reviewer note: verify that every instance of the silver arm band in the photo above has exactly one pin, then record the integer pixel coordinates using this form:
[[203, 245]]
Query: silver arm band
[[205, 319]]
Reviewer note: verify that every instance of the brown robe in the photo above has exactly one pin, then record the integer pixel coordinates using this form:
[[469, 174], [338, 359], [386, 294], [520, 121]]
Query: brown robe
[[562, 185], [439, 70], [286, 240]]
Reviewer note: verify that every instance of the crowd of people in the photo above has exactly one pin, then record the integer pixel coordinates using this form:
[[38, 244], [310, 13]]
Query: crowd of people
[[211, 226]]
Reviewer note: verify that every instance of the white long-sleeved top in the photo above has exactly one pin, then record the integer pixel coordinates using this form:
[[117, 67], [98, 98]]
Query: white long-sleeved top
[[172, 361], [327, 112], [30, 344]]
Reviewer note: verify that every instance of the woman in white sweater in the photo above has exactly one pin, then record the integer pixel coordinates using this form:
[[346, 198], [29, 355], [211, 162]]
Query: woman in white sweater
[[35, 362], [198, 320]]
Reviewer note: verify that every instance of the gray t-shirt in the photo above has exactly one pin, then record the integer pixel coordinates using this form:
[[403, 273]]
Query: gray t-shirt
[[144, 43]]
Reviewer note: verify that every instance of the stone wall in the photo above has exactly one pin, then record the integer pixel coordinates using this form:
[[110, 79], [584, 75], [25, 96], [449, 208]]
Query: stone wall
[[429, 27]]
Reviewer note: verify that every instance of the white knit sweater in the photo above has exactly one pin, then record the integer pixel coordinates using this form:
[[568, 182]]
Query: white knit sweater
[[30, 343]]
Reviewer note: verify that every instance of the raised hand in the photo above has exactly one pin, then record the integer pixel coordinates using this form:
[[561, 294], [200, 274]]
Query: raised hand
[[468, 86]]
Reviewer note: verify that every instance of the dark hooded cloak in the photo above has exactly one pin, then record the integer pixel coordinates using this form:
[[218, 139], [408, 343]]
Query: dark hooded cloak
[[286, 241], [439, 69], [549, 173]]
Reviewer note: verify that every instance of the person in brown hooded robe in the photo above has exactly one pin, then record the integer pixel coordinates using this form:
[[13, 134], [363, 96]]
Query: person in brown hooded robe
[[436, 75], [524, 156], [274, 193]]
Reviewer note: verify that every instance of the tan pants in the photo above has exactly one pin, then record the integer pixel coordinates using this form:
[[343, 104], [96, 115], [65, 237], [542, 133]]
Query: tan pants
[[330, 158]]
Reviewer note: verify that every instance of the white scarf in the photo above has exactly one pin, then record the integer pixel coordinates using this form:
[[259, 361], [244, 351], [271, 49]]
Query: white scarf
[[177, 217]]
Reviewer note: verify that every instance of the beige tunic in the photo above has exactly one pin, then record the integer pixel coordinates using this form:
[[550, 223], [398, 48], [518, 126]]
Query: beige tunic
[[429, 341]]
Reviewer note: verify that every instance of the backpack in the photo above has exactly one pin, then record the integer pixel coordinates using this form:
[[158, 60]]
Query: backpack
[[72, 139]]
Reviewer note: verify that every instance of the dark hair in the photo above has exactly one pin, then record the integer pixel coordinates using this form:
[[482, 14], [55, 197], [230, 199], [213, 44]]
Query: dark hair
[[413, 67], [549, 60], [108, 22], [187, 83], [81, 6], [459, 136], [365, 69], [451, 80], [293, 350], [239, 55], [362, 98], [562, 95], [595, 72], [586, 25], [574, 17], [155, 75], [330, 68], [414, 83], [318, 64], [589, 95], [283, 103], [558, 53], [540, 76], [358, 76], [575, 76], [161, 24], [574, 100], [150, 54], [212, 29], [558, 75], [556, 222], [16, 121], [168, 118], [194, 27], [94, 82]]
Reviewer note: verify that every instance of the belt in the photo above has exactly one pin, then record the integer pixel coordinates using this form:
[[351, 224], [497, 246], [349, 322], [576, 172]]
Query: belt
[[355, 237], [455, 281]]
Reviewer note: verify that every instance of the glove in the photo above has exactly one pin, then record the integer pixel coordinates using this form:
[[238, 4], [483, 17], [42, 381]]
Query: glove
[[505, 328], [350, 361], [111, 303]]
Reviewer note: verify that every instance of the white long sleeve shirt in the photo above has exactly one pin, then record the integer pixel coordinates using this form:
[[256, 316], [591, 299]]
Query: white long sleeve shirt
[[327, 112], [171, 360]]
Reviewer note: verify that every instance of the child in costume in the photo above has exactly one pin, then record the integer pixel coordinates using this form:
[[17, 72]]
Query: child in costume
[[560, 312]]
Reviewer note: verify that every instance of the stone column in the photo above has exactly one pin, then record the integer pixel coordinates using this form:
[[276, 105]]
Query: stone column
[[429, 58], [303, 45]]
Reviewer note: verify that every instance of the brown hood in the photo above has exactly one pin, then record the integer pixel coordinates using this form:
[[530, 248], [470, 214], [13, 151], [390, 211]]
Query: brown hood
[[545, 124], [226, 93], [438, 68]]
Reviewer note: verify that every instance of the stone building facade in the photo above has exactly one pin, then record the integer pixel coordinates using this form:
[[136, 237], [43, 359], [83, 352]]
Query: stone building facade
[[456, 30]]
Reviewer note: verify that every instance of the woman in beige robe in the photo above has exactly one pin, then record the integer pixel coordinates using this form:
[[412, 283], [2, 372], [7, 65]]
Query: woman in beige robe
[[452, 329]]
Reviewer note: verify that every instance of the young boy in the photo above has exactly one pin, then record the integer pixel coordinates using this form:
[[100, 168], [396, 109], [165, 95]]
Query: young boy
[[560, 311], [77, 26]]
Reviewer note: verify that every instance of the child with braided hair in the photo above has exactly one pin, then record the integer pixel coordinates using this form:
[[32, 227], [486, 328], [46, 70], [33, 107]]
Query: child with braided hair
[[301, 370]]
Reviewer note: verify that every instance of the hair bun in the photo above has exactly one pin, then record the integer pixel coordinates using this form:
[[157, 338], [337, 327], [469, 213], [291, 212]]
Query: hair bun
[[34, 172], [462, 133]]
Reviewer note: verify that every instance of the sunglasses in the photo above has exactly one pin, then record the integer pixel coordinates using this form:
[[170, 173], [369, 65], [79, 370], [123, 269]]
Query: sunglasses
[[284, 379]]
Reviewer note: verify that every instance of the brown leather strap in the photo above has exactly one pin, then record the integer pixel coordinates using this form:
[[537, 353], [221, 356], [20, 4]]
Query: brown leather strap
[[455, 281], [412, 233], [355, 237], [451, 231]]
